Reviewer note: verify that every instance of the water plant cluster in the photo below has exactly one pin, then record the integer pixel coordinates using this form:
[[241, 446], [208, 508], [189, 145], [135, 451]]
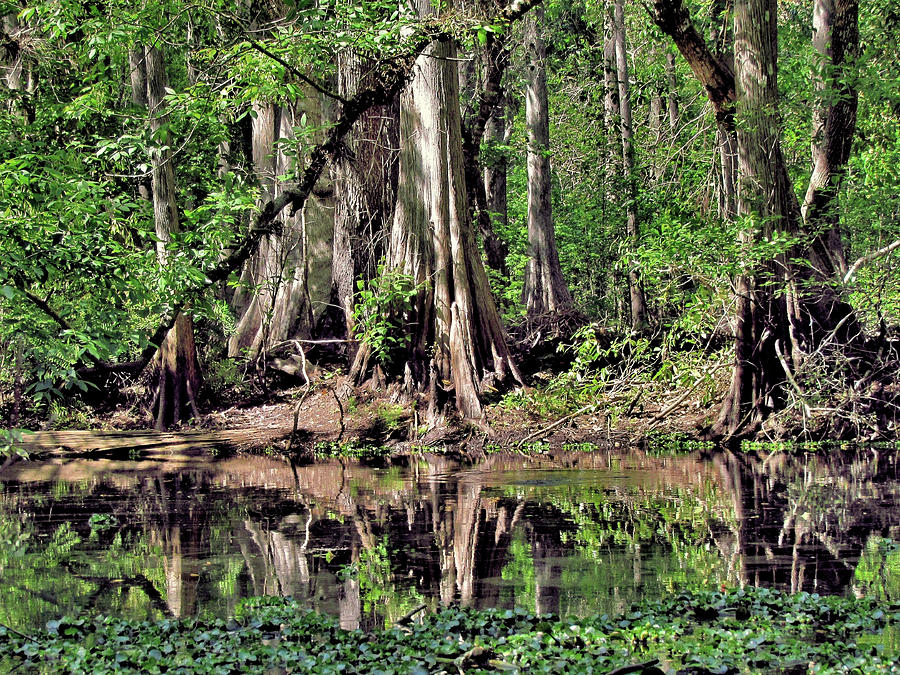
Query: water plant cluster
[[736, 631]]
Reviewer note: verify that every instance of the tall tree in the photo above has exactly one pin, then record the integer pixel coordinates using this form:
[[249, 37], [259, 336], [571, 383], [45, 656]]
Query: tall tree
[[277, 305], [672, 99], [785, 307], [487, 197], [722, 38], [496, 133], [836, 40], [457, 346], [632, 232], [365, 189], [545, 289], [179, 370]]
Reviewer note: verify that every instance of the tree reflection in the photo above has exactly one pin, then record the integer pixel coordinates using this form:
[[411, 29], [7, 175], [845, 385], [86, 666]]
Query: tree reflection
[[566, 533]]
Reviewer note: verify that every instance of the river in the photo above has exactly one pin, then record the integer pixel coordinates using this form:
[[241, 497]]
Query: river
[[180, 533]]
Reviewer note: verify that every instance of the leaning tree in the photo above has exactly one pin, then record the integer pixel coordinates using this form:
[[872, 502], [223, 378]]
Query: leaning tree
[[789, 306]]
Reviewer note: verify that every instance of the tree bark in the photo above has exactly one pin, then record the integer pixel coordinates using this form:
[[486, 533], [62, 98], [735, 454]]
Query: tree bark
[[494, 179], [457, 346], [632, 231], [17, 74], [610, 97], [836, 40], [178, 367], [365, 190], [722, 39], [489, 104], [545, 289], [672, 100], [276, 304]]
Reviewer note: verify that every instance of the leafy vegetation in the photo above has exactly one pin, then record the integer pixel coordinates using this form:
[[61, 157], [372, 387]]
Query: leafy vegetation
[[745, 630], [10, 443], [378, 314], [83, 291], [354, 449]]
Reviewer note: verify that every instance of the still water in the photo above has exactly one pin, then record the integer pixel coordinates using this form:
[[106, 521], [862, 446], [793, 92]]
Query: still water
[[572, 533]]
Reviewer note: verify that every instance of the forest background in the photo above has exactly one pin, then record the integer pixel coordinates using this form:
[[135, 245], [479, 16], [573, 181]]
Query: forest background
[[453, 202]]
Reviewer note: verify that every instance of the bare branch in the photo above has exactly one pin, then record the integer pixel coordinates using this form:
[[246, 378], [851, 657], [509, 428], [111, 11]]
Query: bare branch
[[295, 71], [869, 257], [714, 74]]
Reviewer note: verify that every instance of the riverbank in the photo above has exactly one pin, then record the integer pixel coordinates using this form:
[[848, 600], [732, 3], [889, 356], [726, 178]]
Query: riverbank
[[326, 414]]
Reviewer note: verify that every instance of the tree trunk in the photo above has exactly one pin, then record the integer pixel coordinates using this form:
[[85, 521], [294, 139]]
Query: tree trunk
[[611, 99], [457, 346], [365, 191], [632, 232], [179, 370], [17, 74], [494, 178], [836, 39], [672, 100], [655, 122], [277, 304], [137, 71], [785, 308], [545, 289], [722, 39], [489, 105]]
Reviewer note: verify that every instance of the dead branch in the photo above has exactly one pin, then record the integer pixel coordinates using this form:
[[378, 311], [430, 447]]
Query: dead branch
[[869, 257]]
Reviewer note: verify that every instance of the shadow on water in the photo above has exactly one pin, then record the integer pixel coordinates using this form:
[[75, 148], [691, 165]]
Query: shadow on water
[[567, 533]]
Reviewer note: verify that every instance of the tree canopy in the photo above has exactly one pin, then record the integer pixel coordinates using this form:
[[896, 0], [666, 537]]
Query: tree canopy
[[712, 169]]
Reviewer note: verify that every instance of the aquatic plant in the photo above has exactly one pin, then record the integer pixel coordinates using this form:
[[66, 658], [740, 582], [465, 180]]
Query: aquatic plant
[[743, 630]]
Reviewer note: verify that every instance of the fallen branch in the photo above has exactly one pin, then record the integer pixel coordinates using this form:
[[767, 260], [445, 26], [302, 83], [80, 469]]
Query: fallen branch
[[557, 423]]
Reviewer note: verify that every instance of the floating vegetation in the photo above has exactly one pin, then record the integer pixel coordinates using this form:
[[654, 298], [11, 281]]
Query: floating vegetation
[[661, 444], [738, 631], [350, 449]]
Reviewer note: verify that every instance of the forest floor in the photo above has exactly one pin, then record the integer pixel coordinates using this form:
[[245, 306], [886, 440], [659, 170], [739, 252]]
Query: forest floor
[[330, 415], [584, 387]]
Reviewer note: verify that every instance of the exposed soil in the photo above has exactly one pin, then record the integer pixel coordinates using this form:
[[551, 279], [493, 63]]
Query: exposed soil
[[366, 417], [259, 412], [330, 411]]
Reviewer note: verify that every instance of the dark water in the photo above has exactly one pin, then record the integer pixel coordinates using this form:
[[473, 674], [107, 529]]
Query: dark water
[[176, 535]]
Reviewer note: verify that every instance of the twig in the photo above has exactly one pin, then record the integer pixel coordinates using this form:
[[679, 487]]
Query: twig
[[296, 72], [337, 400], [13, 630], [790, 377], [634, 402]]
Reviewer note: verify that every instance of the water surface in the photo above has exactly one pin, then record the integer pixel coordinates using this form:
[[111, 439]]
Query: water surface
[[184, 534]]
